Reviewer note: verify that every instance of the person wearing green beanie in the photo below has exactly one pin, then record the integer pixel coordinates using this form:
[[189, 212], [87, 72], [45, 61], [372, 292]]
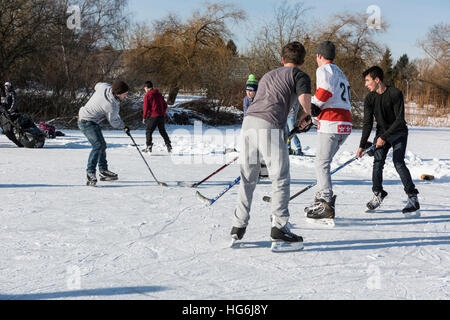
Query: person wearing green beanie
[[251, 87]]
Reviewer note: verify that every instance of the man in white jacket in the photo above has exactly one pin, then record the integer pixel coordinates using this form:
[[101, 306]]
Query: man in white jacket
[[104, 104], [331, 105]]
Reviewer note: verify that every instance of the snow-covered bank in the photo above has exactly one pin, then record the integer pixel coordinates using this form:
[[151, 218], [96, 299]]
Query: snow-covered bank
[[131, 239]]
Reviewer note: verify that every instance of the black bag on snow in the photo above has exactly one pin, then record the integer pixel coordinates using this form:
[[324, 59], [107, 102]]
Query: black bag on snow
[[21, 130]]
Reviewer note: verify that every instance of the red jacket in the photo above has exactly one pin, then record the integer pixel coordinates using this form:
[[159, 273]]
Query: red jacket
[[154, 104]]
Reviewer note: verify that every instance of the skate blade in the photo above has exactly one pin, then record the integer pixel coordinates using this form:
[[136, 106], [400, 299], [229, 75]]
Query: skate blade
[[108, 179], [412, 215], [233, 243], [282, 246], [329, 223], [91, 184]]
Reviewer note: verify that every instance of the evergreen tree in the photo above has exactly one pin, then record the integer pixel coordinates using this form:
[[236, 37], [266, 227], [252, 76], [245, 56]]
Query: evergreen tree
[[386, 64]]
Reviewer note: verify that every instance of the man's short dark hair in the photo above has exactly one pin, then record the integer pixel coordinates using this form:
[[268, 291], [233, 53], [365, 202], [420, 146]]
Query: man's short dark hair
[[374, 72], [148, 84], [294, 52]]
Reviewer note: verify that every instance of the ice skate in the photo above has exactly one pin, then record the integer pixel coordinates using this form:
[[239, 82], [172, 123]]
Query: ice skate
[[148, 149], [107, 175], [412, 209], [376, 200], [283, 240], [322, 212], [91, 180], [236, 234]]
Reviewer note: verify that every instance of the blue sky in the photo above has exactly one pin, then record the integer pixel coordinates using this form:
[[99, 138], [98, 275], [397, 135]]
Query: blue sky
[[409, 20]]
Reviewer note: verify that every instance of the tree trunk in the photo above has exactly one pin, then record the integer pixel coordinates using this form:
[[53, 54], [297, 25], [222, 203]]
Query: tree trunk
[[173, 92]]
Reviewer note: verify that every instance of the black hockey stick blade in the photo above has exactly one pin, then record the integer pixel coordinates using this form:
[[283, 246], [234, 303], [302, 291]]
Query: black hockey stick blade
[[162, 184]]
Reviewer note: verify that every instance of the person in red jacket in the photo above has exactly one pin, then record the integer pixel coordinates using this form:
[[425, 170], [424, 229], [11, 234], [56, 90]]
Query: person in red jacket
[[155, 108]]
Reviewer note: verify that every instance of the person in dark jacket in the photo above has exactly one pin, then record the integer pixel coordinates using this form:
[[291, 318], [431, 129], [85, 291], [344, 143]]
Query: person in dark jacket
[[386, 104], [155, 108], [11, 98]]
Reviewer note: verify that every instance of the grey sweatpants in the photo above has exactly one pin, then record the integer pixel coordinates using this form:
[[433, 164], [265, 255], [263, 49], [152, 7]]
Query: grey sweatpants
[[327, 146], [260, 140]]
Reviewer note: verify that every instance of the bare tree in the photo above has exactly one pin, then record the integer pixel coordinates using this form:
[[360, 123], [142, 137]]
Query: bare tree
[[174, 52], [287, 25]]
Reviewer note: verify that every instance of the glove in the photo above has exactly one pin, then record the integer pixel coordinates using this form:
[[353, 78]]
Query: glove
[[371, 153], [315, 110], [308, 124], [127, 130]]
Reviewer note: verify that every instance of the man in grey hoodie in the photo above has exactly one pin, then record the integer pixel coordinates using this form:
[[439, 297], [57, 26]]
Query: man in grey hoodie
[[104, 104]]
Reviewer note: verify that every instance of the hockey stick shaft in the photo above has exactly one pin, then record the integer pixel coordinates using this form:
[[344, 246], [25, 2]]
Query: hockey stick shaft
[[268, 199], [291, 135], [215, 172], [151, 172], [213, 200]]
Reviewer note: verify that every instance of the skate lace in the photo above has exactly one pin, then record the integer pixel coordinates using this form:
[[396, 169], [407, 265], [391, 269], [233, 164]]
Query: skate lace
[[376, 200]]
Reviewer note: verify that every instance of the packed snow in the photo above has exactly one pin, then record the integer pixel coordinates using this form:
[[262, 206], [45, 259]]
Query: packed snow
[[132, 239]]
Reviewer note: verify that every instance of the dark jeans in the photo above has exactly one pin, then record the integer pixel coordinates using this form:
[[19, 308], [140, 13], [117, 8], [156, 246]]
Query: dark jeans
[[399, 147], [93, 133], [152, 123]]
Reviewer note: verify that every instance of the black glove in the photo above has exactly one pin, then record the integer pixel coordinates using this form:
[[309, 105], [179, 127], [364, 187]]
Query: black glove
[[315, 110], [308, 125], [371, 153], [305, 129], [127, 130]]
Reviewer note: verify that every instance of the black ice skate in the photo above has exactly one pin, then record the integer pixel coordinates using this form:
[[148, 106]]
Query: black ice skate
[[322, 212], [169, 148], [108, 176], [376, 201], [148, 149], [236, 234], [284, 240], [412, 207], [91, 180]]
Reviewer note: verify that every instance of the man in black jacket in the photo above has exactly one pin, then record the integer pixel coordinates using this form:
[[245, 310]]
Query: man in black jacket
[[11, 98], [386, 104]]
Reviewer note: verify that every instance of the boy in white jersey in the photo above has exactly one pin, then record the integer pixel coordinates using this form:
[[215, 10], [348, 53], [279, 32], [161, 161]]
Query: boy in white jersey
[[331, 105]]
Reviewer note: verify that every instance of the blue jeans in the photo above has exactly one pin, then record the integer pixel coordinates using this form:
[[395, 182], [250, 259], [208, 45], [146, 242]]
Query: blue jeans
[[290, 124], [398, 157], [93, 133]]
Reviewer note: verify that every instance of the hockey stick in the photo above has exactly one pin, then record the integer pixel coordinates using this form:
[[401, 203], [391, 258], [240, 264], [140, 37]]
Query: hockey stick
[[162, 184], [209, 201], [269, 199], [195, 185]]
